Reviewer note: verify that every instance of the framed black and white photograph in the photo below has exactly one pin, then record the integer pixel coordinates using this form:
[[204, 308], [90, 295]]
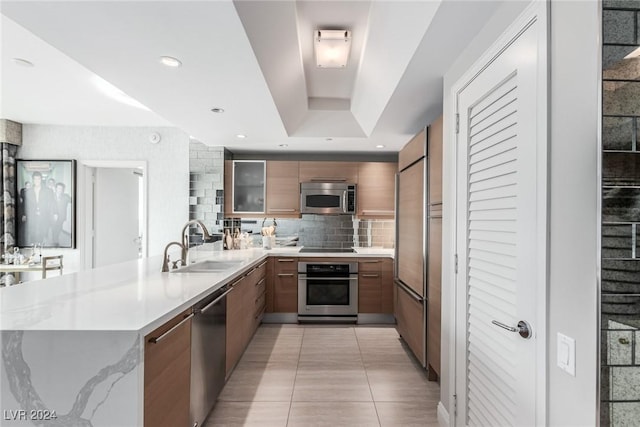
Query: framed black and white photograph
[[45, 205]]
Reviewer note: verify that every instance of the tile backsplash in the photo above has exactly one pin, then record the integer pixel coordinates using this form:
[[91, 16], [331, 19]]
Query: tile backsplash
[[329, 231]]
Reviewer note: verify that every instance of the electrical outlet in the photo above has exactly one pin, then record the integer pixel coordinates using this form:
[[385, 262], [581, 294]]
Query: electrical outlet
[[567, 354]]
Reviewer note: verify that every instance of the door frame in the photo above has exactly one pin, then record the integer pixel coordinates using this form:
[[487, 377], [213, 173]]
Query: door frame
[[538, 11], [86, 221]]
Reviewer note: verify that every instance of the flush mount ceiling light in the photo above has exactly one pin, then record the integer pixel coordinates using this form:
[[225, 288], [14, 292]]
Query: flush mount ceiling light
[[170, 61], [332, 48], [217, 110], [22, 62]]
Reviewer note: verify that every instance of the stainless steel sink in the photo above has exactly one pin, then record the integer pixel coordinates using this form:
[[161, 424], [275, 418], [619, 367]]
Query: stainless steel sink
[[208, 267]]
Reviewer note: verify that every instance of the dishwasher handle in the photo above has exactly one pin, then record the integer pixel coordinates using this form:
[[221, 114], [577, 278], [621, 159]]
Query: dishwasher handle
[[212, 303]]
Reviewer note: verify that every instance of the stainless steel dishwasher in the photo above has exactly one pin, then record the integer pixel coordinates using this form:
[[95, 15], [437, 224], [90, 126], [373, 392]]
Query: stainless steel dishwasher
[[208, 350]]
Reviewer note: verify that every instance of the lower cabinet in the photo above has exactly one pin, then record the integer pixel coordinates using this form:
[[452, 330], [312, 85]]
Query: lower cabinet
[[375, 285], [410, 321], [285, 285], [245, 308], [167, 373]]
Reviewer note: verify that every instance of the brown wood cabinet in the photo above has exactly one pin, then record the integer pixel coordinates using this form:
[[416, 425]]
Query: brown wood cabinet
[[283, 189], [434, 245], [167, 373], [285, 285], [376, 189], [410, 240], [413, 150], [236, 323], [375, 285], [329, 171], [245, 308], [410, 318]]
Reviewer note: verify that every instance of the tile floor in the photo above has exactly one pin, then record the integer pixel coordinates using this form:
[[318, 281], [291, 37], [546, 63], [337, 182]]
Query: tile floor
[[317, 375]]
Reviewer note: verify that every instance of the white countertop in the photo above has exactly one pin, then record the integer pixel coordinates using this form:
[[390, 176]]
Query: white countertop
[[132, 296]]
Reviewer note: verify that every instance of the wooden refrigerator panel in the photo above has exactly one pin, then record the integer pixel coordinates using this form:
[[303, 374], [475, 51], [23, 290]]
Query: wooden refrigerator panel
[[434, 293], [410, 322], [410, 217]]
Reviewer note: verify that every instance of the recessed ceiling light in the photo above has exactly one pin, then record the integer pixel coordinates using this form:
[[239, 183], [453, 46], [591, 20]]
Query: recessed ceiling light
[[170, 61], [379, 146], [217, 110], [283, 145], [241, 136], [22, 62], [328, 139]]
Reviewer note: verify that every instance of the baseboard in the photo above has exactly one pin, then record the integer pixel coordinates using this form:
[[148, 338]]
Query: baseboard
[[443, 415]]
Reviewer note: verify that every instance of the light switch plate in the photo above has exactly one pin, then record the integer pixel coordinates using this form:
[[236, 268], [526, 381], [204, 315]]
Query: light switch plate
[[567, 354]]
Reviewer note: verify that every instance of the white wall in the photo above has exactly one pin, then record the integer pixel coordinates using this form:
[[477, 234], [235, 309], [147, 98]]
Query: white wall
[[503, 17], [167, 170], [572, 307], [574, 211]]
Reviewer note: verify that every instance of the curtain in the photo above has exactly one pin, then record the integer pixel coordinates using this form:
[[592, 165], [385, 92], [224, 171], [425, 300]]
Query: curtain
[[8, 196]]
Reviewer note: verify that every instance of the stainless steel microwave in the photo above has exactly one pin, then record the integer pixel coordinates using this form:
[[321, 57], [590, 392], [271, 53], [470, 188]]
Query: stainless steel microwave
[[329, 198]]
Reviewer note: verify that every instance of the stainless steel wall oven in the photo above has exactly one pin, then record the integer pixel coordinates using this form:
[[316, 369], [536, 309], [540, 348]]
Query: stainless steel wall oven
[[328, 291]]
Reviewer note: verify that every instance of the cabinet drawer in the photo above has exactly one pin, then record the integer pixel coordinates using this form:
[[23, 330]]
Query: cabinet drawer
[[285, 264], [373, 264], [410, 322]]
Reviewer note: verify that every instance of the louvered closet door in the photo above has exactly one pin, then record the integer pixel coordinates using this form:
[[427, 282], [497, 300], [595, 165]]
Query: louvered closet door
[[498, 232]]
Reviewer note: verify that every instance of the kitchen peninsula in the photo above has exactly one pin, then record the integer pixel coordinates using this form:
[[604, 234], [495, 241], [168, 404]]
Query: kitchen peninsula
[[73, 346]]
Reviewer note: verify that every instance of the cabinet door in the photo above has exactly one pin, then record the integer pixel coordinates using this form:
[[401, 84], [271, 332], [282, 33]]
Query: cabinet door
[[248, 186], [285, 298], [167, 373], [413, 150], [435, 162], [236, 325], [434, 292], [386, 287], [410, 238], [369, 292], [283, 189], [410, 322], [376, 189], [329, 171]]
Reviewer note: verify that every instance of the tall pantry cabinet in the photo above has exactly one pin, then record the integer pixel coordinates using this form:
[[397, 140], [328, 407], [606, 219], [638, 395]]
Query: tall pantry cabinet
[[419, 246]]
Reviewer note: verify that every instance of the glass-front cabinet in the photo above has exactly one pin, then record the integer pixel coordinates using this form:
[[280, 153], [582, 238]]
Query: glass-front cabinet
[[248, 186]]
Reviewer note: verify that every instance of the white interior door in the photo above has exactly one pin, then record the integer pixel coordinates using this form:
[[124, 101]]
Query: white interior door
[[501, 229], [117, 225]]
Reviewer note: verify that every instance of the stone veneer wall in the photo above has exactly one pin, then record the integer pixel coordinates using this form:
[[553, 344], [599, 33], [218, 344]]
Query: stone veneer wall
[[620, 284], [206, 185]]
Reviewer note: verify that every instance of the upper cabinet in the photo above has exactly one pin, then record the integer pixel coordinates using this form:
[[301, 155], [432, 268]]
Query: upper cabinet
[[435, 162], [413, 151], [259, 188], [329, 172], [248, 194], [283, 189], [376, 189]]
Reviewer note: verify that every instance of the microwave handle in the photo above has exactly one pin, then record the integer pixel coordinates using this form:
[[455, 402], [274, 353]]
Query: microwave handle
[[344, 201]]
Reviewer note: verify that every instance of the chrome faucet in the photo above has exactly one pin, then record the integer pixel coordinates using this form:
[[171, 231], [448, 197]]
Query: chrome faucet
[[184, 245], [165, 262], [205, 236]]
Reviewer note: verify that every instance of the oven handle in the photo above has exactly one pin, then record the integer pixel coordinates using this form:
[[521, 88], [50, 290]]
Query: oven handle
[[305, 278]]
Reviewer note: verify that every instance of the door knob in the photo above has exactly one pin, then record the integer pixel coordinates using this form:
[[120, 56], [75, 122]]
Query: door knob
[[523, 328]]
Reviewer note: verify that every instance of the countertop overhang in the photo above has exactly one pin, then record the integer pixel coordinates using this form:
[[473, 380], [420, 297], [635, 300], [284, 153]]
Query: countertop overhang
[[131, 296]]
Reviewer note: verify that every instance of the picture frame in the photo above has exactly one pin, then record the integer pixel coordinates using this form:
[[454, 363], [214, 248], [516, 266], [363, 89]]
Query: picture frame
[[46, 203]]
